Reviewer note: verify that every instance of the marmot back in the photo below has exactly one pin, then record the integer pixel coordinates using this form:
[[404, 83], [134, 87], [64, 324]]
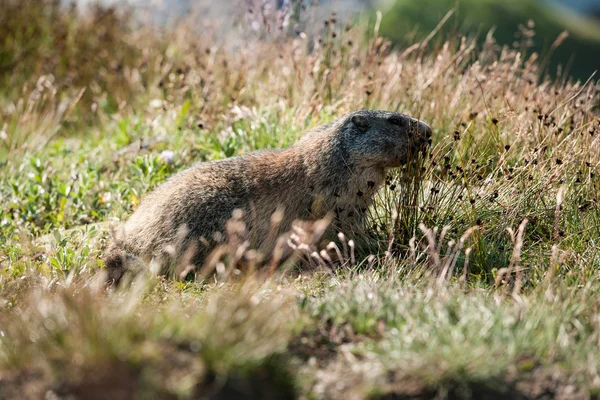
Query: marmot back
[[334, 168]]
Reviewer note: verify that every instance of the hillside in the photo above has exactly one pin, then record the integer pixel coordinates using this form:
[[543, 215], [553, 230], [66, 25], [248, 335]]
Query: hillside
[[477, 276], [509, 20]]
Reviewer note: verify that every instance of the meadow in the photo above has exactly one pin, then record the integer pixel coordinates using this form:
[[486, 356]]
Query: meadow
[[477, 278]]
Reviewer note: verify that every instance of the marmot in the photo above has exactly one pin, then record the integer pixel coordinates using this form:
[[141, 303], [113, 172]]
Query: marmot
[[336, 167]]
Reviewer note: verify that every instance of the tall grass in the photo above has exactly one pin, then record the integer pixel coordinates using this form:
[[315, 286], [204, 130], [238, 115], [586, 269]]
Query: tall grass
[[484, 254], [503, 146]]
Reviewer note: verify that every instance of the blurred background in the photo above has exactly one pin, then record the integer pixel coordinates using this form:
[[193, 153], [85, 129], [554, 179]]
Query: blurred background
[[39, 37], [564, 32]]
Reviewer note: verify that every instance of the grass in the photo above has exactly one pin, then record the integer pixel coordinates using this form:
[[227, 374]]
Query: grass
[[478, 279]]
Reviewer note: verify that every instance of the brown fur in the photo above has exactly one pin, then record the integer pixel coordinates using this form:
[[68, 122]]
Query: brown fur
[[334, 168]]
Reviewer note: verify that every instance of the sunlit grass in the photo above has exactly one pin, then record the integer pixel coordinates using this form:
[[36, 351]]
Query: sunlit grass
[[480, 274]]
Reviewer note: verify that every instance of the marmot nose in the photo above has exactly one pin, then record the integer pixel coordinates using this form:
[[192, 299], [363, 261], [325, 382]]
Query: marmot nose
[[423, 134], [424, 130]]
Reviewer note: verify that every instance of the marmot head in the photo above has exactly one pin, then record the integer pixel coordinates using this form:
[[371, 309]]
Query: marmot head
[[382, 138]]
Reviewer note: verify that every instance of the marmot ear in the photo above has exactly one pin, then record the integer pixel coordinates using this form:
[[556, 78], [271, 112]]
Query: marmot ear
[[360, 122]]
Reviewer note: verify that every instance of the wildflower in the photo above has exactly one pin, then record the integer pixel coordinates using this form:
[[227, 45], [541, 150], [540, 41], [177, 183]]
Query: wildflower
[[166, 156], [105, 197]]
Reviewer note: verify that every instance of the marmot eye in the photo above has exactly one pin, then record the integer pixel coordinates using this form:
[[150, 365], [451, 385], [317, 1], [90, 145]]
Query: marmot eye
[[396, 121]]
